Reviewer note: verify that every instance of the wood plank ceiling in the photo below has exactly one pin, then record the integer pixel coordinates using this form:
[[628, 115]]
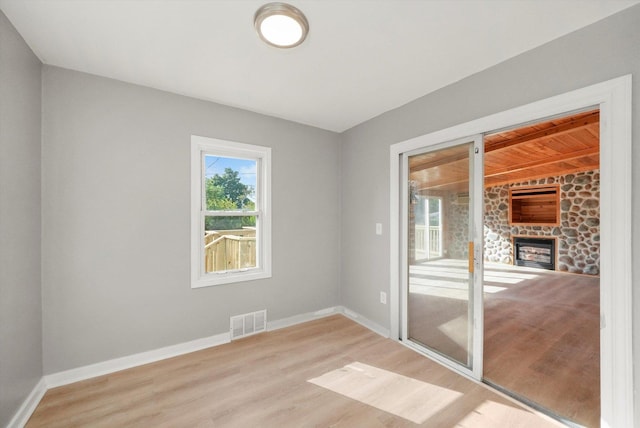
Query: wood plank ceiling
[[555, 147]]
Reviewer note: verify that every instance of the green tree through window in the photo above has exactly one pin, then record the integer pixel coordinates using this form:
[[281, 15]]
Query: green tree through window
[[230, 212], [226, 192]]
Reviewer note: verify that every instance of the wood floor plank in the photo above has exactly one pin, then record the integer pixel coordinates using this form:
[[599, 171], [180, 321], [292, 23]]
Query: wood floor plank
[[542, 342], [263, 381], [541, 331]]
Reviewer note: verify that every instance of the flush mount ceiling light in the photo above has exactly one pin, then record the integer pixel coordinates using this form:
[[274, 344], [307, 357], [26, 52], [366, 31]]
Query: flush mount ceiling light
[[281, 25]]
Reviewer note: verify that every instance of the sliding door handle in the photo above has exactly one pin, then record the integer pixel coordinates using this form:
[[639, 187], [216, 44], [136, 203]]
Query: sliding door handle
[[471, 257]]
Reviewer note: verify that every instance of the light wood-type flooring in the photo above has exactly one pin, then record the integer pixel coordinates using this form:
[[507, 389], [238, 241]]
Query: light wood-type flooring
[[327, 372], [542, 340], [541, 331]]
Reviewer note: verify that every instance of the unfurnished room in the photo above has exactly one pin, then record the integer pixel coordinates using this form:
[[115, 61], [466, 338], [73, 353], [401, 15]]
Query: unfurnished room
[[347, 213]]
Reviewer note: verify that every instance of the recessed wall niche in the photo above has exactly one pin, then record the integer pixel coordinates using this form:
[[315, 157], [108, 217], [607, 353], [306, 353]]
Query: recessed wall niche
[[534, 206]]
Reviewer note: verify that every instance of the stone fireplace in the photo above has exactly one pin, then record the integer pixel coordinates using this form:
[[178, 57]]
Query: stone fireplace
[[537, 253], [577, 234]]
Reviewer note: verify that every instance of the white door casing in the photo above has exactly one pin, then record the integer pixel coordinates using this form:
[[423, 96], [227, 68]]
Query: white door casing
[[613, 98]]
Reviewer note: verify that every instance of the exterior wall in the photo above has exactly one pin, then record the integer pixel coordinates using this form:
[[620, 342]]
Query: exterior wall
[[578, 235], [20, 300]]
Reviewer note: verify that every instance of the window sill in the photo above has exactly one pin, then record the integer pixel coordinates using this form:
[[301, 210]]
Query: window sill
[[214, 279]]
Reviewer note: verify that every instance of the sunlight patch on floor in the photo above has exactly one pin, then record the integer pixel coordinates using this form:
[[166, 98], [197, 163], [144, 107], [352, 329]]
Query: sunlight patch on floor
[[399, 395], [449, 278], [456, 330], [439, 283], [448, 292], [433, 271], [493, 289], [488, 277]]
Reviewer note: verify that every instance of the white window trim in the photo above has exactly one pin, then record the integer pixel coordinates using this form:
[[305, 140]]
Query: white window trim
[[200, 145]]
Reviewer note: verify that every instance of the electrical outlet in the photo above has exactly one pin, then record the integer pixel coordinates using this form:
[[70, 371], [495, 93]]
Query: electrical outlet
[[378, 228], [383, 297]]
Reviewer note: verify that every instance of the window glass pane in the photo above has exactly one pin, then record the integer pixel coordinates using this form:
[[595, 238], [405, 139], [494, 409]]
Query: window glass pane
[[230, 215], [229, 243], [225, 223], [440, 298], [230, 183]]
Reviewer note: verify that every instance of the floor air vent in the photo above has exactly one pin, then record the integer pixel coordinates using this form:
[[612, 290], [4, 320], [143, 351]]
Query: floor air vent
[[248, 324]]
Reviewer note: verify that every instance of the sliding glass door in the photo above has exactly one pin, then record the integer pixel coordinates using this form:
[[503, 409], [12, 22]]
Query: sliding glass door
[[442, 218]]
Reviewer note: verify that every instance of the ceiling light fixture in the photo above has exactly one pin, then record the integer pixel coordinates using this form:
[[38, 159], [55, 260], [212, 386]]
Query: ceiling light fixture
[[281, 25]]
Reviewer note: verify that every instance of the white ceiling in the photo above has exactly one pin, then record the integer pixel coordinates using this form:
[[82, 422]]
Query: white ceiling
[[361, 58]]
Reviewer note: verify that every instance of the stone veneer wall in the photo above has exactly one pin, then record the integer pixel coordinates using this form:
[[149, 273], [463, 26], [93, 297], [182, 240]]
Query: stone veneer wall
[[457, 230], [578, 236]]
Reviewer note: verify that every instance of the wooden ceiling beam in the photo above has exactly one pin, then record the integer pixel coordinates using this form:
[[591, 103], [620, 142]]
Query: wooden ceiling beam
[[462, 185], [556, 131], [522, 167], [431, 163], [495, 181], [541, 162], [445, 185], [570, 126]]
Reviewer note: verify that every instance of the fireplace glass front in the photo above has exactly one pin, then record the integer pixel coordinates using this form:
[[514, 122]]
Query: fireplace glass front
[[538, 253]]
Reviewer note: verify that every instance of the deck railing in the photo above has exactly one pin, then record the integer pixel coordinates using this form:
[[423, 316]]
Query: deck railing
[[229, 249], [434, 241]]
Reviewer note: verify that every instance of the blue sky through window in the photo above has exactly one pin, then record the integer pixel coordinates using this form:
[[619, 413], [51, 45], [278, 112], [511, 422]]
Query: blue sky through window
[[245, 167]]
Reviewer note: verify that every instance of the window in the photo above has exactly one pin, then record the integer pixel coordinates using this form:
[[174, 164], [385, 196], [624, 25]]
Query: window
[[230, 212]]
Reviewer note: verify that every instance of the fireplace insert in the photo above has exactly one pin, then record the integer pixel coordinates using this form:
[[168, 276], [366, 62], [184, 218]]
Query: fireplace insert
[[535, 252]]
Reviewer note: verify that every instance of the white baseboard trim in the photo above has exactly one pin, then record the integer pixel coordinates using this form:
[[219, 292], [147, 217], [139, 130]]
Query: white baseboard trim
[[117, 364], [322, 313], [299, 319], [373, 326], [28, 406]]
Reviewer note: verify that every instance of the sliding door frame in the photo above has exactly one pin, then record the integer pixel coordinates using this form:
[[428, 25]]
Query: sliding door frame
[[475, 302], [613, 98]]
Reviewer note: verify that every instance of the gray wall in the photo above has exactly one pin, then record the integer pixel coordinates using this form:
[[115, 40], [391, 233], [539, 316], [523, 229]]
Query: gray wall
[[115, 202], [20, 302], [116, 215], [604, 50]]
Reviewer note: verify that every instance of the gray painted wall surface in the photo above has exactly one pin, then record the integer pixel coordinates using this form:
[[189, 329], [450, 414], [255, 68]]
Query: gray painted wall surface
[[602, 51], [20, 302], [116, 215], [115, 202]]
